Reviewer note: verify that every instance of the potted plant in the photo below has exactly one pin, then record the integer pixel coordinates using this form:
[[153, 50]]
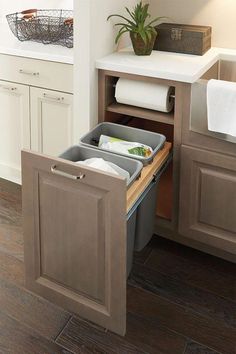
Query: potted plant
[[142, 33]]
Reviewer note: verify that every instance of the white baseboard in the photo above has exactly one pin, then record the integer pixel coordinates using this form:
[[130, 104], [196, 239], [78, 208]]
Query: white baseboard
[[10, 173]]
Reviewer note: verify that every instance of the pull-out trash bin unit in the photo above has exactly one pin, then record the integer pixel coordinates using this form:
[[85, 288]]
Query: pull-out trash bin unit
[[145, 209]]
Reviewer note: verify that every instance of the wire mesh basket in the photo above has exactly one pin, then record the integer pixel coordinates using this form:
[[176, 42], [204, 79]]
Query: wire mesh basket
[[45, 26]]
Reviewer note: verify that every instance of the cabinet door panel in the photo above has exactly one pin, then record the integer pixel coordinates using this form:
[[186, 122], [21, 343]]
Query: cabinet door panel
[[208, 198], [51, 121], [88, 246], [14, 128], [218, 195], [75, 238]]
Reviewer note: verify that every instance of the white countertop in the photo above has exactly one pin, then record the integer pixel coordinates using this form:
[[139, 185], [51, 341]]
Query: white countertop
[[165, 65], [10, 45]]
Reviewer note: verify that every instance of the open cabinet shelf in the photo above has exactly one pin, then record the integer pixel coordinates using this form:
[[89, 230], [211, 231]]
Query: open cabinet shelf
[[168, 124], [167, 118]]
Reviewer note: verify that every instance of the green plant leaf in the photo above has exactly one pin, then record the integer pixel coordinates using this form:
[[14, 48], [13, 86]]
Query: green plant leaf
[[149, 35], [157, 20], [120, 33], [143, 36], [123, 17], [150, 29], [124, 25], [130, 13], [145, 12]]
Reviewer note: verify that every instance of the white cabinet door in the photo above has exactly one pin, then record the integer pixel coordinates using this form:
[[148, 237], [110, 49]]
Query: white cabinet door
[[14, 128], [51, 121]]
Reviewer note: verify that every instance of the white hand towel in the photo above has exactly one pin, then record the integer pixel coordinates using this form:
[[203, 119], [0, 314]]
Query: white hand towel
[[221, 106]]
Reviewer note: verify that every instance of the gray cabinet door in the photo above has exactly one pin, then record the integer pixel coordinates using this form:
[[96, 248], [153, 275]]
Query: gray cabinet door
[[208, 198], [75, 238]]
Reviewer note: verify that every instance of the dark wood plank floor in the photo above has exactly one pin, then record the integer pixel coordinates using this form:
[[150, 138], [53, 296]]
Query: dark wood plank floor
[[180, 301]]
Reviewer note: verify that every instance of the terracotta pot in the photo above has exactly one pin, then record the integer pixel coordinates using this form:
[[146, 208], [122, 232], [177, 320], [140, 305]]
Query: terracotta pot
[[140, 47]]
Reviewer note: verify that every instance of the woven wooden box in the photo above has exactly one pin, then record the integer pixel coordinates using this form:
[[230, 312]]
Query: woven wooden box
[[188, 39]]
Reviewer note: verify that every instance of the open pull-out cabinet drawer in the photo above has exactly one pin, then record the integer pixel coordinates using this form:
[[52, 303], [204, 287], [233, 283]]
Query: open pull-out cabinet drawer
[[75, 235]]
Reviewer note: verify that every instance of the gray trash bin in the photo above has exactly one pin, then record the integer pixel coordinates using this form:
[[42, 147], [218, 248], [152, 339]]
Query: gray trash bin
[[146, 213], [146, 208], [131, 229], [81, 153], [154, 140]]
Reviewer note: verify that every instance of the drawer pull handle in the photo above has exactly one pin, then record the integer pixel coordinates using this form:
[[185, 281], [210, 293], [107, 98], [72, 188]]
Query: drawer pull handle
[[8, 88], [54, 98], [55, 171], [26, 72]]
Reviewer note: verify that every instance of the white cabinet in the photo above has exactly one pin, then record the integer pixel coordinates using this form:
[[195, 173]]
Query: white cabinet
[[35, 110], [14, 128], [51, 121]]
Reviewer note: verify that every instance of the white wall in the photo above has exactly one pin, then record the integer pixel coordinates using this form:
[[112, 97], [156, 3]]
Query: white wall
[[220, 14], [94, 39]]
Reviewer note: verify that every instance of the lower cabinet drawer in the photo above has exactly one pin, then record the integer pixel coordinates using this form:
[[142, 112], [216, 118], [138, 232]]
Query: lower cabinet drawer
[[39, 73], [75, 234], [208, 198]]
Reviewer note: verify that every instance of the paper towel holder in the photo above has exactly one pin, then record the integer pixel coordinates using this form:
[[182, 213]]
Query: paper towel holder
[[171, 96]]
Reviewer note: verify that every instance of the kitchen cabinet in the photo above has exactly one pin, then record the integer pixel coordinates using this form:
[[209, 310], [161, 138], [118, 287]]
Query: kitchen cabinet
[[207, 179], [208, 198], [179, 128], [177, 207], [75, 234], [14, 128], [75, 218], [51, 121], [36, 99]]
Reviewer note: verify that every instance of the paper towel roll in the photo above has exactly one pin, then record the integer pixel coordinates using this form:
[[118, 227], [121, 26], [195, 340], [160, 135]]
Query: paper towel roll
[[145, 95]]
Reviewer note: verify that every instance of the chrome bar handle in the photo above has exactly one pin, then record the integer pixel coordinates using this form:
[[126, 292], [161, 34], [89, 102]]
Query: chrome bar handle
[[55, 171], [53, 98], [8, 88], [27, 72]]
